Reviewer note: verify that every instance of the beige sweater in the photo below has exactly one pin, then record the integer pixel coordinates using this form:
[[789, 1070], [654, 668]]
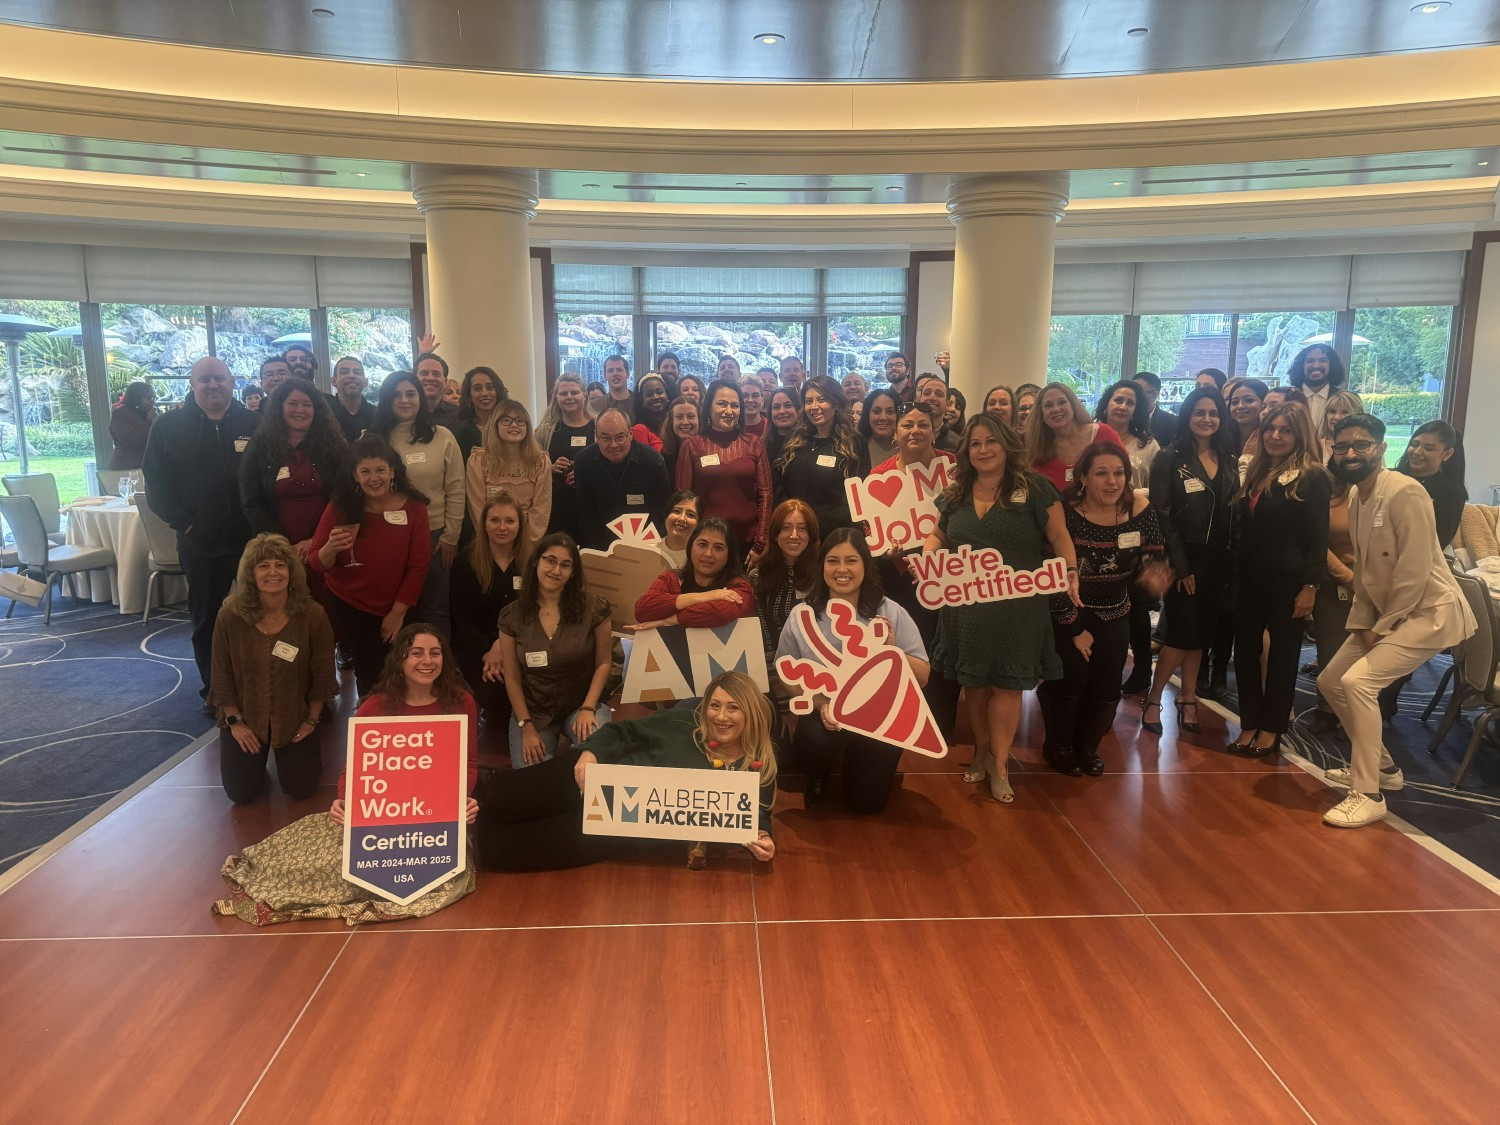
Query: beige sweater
[[436, 470]]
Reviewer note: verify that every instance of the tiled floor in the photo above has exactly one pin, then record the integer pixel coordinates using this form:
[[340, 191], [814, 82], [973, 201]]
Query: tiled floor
[[1179, 940]]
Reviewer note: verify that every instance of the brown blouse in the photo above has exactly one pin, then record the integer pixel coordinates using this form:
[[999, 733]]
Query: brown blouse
[[274, 690]]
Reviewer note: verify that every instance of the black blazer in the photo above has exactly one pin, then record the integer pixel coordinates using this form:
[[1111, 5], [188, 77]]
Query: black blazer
[[1286, 536], [258, 484]]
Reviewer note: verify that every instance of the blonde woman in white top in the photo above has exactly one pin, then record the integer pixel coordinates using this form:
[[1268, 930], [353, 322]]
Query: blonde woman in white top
[[511, 461], [434, 465]]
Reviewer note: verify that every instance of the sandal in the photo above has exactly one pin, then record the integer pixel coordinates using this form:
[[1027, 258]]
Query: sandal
[[978, 768], [1000, 787]]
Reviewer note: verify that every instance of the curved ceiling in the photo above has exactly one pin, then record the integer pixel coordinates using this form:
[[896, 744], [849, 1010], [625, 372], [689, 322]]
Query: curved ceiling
[[819, 40]]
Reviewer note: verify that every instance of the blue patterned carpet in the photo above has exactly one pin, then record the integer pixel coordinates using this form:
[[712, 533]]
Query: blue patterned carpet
[[88, 706]]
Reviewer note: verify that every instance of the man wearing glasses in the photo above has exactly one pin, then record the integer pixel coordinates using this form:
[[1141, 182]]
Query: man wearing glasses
[[898, 374], [1407, 608], [614, 476]]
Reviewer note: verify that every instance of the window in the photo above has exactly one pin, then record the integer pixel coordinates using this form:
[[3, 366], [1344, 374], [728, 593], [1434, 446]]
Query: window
[[245, 336], [1178, 346], [1085, 353], [698, 344], [861, 343], [586, 340], [158, 343], [378, 338], [1399, 361], [1268, 342], [54, 400]]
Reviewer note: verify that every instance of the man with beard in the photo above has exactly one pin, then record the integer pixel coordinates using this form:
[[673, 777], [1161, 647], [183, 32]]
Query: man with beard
[[302, 363], [1317, 372], [1407, 608]]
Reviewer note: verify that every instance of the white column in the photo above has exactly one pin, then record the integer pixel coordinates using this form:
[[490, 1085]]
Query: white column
[[479, 272], [1002, 278]]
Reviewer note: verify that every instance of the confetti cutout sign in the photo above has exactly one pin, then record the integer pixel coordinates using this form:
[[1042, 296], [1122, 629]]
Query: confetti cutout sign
[[870, 685], [626, 570]]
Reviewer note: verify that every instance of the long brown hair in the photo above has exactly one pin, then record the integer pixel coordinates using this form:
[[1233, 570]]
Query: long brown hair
[[1306, 455], [244, 600], [1041, 442], [449, 687], [773, 566], [481, 562], [845, 438], [1016, 476]]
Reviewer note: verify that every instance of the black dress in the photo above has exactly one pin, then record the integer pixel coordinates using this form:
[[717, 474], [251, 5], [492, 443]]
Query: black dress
[[1195, 507], [566, 441], [476, 613]]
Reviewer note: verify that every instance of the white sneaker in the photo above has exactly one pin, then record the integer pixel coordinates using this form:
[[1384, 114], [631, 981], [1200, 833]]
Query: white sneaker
[[1355, 811], [1342, 778]]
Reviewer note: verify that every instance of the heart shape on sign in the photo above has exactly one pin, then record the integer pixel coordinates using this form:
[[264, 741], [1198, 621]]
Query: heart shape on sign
[[885, 488]]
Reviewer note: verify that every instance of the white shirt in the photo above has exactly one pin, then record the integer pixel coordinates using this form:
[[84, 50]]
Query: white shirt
[[1317, 405]]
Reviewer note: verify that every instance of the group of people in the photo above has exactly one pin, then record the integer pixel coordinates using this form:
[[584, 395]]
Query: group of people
[[369, 518]]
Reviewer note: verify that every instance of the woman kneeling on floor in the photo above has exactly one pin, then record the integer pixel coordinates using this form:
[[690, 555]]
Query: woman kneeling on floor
[[297, 872], [532, 819]]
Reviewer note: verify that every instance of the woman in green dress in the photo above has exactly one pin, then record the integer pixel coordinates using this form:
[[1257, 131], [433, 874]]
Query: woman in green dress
[[997, 650]]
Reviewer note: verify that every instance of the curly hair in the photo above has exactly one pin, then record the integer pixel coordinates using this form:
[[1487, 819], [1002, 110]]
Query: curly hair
[[1015, 477], [348, 498], [244, 600], [845, 437], [1336, 372], [324, 441], [450, 687], [1139, 426]]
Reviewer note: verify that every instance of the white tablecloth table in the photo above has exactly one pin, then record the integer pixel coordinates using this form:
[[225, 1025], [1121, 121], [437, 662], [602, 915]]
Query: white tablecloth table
[[117, 525]]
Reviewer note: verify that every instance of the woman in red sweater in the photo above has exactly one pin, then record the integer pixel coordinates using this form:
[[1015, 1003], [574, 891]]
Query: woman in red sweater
[[373, 546], [1064, 431], [727, 467], [710, 590]]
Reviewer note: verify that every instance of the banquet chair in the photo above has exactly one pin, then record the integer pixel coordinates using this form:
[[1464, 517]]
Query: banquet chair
[[1478, 662], [39, 557], [164, 558], [41, 487]]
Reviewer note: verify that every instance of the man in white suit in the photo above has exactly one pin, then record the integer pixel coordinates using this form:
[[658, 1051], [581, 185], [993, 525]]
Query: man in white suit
[[1407, 608]]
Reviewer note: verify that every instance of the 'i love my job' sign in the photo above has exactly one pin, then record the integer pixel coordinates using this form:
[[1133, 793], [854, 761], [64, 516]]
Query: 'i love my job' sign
[[404, 802]]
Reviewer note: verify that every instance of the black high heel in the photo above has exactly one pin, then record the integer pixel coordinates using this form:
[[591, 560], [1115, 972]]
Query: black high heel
[[1154, 728], [1254, 751], [1244, 743], [1182, 724]]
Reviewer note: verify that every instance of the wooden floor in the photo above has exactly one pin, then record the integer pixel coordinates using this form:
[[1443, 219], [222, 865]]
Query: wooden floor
[[1179, 940]]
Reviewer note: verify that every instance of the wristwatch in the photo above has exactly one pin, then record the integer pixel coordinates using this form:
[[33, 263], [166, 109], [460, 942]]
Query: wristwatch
[[232, 719], [522, 724]]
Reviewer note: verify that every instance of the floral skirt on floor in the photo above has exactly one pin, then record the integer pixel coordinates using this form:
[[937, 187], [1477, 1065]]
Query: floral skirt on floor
[[296, 873]]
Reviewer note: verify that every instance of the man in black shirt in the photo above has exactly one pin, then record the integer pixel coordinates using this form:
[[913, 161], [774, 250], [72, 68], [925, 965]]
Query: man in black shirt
[[432, 373], [350, 410], [1163, 422], [616, 475], [934, 392]]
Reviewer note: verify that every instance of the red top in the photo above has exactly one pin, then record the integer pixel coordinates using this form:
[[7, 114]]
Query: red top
[[756, 428], [393, 549], [646, 436], [1061, 475], [660, 602], [895, 462], [377, 705], [300, 497], [735, 485]]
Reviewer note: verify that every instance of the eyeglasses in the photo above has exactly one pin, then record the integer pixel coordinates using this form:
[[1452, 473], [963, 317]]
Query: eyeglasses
[[1361, 447], [511, 421]]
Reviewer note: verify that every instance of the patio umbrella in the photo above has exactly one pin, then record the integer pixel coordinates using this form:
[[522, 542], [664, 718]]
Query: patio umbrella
[[294, 338], [74, 332], [14, 329], [1327, 338]]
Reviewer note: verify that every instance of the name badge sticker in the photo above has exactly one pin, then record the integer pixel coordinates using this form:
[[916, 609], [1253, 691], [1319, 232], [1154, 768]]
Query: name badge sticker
[[709, 460], [635, 498], [417, 458], [1379, 520], [1193, 484], [1129, 539], [398, 517], [283, 651], [536, 660], [578, 441], [1287, 477], [1018, 496], [827, 461], [516, 583], [284, 473], [1067, 474], [240, 443]]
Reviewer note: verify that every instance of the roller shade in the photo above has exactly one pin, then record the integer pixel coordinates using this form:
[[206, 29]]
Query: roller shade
[[581, 289], [1242, 285], [729, 291], [39, 271], [864, 292], [1434, 278], [363, 283], [199, 277], [1092, 289]]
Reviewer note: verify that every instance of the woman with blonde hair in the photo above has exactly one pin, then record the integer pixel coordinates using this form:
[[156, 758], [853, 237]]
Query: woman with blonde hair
[[272, 674], [1061, 431], [1281, 520], [1341, 404], [565, 431], [511, 461]]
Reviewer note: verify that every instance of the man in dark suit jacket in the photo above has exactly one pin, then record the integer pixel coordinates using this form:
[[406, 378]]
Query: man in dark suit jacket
[[1163, 422], [616, 475]]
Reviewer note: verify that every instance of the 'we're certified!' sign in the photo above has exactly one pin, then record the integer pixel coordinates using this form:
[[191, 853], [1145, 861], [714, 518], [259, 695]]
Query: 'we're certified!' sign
[[404, 803]]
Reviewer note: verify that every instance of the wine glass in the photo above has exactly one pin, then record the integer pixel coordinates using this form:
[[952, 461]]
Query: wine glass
[[354, 530]]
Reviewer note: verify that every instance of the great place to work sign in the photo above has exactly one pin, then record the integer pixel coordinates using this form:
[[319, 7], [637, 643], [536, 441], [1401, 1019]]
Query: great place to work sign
[[665, 803], [404, 801]]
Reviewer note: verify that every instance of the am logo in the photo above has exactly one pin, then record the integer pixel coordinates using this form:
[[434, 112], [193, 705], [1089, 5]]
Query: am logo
[[628, 813]]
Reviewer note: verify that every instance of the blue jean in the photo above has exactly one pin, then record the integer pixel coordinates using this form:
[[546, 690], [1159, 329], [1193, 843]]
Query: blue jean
[[549, 735]]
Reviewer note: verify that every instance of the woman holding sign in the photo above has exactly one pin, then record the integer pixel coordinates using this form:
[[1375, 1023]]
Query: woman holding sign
[[297, 872], [1118, 539], [555, 648], [821, 454], [710, 589], [847, 574], [486, 579], [373, 547], [997, 650]]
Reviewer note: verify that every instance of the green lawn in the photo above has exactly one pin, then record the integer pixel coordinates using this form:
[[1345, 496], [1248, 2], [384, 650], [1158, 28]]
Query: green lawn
[[67, 470]]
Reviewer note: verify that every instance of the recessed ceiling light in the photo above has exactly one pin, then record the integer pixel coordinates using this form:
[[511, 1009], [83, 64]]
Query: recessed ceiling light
[[1137, 32], [894, 187], [1484, 163], [770, 38], [590, 185], [323, 13], [361, 175], [1431, 7], [1117, 183]]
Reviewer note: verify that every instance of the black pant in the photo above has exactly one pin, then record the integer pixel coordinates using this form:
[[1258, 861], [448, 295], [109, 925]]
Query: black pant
[[359, 633], [1141, 605], [209, 578], [1079, 709], [299, 766], [868, 766], [1330, 616], [532, 819], [1264, 604]]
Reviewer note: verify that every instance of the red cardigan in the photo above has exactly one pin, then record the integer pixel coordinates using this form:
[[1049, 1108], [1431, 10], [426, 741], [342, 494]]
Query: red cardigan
[[377, 705], [660, 602], [393, 559]]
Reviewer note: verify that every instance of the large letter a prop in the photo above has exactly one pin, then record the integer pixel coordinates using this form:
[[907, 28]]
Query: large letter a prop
[[870, 685]]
